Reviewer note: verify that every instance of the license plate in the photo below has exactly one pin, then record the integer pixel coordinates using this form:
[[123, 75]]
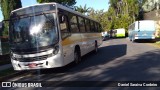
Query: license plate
[[32, 65]]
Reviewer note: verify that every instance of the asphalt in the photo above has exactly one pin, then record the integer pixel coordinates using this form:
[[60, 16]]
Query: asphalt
[[116, 60], [6, 66]]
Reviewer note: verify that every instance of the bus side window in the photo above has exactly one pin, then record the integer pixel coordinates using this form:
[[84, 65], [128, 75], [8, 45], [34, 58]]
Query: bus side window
[[92, 26], [87, 24], [63, 22], [133, 27], [96, 27], [81, 24], [73, 23]]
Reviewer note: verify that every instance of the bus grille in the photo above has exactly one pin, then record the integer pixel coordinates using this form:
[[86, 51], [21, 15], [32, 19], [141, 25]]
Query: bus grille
[[44, 57]]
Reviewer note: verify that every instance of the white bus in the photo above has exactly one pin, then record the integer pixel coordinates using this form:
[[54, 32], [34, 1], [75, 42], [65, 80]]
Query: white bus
[[50, 35], [144, 29], [120, 32]]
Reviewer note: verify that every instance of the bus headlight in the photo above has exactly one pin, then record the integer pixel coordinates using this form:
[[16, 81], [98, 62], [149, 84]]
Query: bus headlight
[[13, 57], [55, 50]]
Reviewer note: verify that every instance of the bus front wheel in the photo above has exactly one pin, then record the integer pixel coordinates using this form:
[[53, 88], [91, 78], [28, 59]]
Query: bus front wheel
[[96, 47], [77, 56]]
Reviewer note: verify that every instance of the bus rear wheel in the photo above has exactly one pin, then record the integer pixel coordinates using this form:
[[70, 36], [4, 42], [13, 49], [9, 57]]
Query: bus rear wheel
[[96, 47], [77, 56]]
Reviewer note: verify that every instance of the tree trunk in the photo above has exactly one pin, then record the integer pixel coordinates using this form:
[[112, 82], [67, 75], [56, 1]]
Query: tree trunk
[[7, 6]]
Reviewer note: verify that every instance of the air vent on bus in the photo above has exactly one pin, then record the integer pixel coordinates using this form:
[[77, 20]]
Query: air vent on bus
[[44, 57]]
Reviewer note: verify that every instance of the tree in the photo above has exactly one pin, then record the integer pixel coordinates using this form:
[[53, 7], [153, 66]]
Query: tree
[[63, 2], [100, 16], [6, 7], [122, 13], [82, 10]]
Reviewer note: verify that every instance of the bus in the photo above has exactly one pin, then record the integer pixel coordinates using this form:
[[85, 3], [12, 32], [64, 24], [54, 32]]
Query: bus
[[144, 29], [50, 35], [119, 32]]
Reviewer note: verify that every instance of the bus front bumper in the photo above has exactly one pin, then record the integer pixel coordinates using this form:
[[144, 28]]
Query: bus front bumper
[[51, 62], [144, 37]]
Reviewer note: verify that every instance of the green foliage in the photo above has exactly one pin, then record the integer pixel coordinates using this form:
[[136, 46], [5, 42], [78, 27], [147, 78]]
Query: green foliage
[[63, 2], [151, 5], [98, 15], [83, 10], [6, 7], [122, 13]]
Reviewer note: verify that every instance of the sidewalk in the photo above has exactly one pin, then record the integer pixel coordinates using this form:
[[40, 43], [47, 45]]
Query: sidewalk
[[6, 66]]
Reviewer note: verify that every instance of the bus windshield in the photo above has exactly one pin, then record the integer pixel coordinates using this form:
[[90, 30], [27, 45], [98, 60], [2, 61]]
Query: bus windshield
[[31, 32]]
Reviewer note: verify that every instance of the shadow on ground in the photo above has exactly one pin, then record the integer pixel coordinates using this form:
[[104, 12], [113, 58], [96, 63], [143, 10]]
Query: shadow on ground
[[104, 66]]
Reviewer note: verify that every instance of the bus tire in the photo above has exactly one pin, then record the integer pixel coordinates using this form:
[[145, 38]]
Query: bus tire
[[95, 47], [77, 56]]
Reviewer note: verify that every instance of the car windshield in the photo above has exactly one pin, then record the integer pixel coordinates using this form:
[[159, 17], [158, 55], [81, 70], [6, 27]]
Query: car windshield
[[33, 32]]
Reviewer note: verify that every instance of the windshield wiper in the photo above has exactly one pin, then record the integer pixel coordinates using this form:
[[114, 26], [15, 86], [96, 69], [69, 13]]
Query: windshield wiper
[[48, 18]]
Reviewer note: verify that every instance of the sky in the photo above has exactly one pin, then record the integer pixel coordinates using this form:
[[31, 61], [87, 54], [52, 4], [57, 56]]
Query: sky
[[96, 4]]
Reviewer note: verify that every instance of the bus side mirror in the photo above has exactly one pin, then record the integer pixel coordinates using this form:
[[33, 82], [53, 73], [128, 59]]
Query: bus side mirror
[[62, 19]]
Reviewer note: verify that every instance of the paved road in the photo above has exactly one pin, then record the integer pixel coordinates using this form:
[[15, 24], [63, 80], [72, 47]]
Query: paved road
[[6, 66], [116, 60]]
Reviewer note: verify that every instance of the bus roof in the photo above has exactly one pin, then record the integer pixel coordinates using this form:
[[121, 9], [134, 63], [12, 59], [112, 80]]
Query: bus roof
[[144, 21], [58, 6], [32, 6]]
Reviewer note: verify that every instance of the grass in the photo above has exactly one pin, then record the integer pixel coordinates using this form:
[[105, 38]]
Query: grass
[[157, 43]]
